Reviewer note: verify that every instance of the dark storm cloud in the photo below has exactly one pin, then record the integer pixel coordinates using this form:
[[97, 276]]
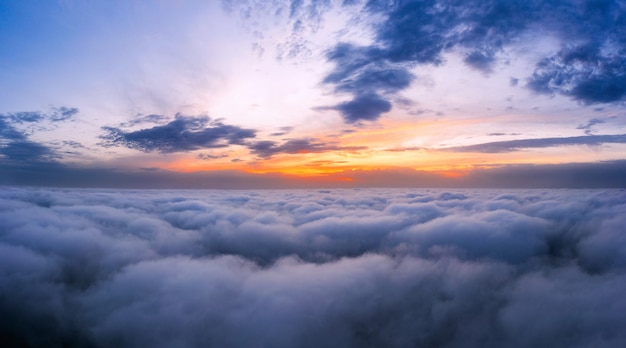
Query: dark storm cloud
[[312, 268], [184, 133], [267, 149], [589, 66], [515, 145]]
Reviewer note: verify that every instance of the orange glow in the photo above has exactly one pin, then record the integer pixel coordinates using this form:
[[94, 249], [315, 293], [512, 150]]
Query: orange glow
[[410, 144], [452, 174]]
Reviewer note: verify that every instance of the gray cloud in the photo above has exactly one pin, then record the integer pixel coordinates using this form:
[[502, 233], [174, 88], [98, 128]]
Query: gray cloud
[[480, 61], [206, 156], [141, 119], [62, 113], [312, 268], [25, 117], [27, 151], [361, 72], [364, 107], [8, 132], [588, 128], [267, 149], [515, 145], [589, 65], [15, 144], [184, 133], [283, 131]]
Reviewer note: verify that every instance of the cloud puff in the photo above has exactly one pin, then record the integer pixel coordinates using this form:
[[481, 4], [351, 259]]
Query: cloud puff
[[307, 268], [184, 133], [364, 107]]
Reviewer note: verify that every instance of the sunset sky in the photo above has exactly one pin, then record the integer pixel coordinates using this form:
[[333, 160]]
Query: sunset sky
[[252, 93]]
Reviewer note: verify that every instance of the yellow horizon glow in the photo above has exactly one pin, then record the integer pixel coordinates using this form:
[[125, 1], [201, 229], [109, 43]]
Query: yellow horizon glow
[[415, 145]]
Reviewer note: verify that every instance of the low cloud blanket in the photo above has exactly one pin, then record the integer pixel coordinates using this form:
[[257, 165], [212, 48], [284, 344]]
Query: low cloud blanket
[[312, 268]]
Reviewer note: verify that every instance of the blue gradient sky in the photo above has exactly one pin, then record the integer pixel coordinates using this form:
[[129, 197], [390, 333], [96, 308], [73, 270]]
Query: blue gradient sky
[[312, 93]]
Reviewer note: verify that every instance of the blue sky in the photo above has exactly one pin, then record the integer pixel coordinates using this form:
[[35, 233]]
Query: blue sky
[[311, 92]]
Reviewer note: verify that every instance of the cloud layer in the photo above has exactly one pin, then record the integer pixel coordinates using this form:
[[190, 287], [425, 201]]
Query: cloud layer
[[300, 268]]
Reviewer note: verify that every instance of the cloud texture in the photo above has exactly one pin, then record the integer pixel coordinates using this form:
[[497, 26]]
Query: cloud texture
[[15, 145], [587, 65], [306, 268], [184, 133]]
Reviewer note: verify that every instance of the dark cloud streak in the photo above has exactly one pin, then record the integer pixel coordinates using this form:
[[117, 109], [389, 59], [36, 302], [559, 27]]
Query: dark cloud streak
[[516, 145], [184, 133], [267, 148]]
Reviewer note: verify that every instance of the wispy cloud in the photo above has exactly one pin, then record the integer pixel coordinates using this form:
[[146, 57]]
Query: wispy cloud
[[15, 134], [516, 145], [588, 128]]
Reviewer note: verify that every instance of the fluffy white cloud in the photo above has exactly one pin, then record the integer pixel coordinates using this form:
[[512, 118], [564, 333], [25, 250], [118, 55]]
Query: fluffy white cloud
[[307, 268]]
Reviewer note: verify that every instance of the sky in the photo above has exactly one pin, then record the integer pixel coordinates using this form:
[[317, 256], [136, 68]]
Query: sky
[[318, 93], [312, 268]]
